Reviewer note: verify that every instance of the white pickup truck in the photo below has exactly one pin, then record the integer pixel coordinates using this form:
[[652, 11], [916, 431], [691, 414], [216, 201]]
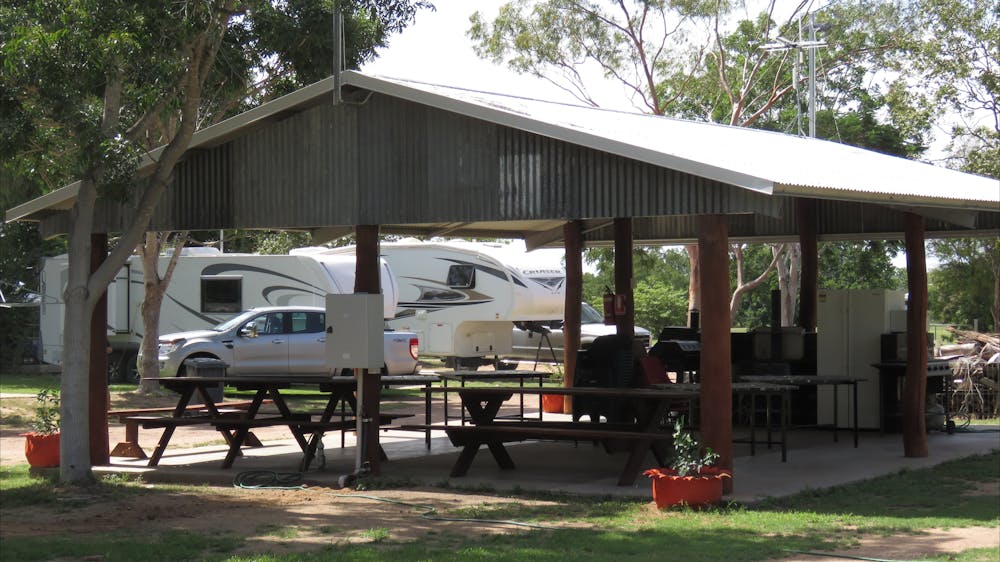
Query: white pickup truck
[[275, 341]]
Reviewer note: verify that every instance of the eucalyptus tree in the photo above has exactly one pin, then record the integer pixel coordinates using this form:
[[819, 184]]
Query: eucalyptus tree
[[697, 60], [90, 85]]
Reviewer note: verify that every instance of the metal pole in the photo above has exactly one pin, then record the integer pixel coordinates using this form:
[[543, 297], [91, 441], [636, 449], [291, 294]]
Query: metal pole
[[812, 76]]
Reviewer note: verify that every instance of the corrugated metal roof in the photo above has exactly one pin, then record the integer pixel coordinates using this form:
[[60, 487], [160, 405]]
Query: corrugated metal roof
[[763, 161]]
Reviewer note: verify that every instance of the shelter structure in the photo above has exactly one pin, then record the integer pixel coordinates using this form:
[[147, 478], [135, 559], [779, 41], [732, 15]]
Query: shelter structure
[[411, 158]]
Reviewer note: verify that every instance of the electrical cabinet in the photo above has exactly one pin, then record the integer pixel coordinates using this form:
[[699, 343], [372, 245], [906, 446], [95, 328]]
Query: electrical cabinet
[[354, 331]]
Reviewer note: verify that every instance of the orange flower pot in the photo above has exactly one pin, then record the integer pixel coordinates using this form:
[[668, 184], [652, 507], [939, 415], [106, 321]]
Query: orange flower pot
[[552, 403], [695, 490], [41, 449]]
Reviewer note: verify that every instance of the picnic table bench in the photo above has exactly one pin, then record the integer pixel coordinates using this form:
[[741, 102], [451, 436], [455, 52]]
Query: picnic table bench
[[636, 437], [160, 418]]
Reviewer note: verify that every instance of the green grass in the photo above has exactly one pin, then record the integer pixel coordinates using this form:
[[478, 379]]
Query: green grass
[[598, 529], [31, 383]]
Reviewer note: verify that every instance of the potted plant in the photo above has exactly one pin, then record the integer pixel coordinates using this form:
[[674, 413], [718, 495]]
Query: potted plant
[[41, 445], [690, 479], [553, 403]]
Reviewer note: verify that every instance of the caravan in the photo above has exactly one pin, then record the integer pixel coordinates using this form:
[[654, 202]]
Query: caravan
[[208, 287], [460, 299]]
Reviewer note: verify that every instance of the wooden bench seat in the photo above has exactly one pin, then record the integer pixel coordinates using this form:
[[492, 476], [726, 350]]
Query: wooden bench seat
[[150, 418], [614, 439]]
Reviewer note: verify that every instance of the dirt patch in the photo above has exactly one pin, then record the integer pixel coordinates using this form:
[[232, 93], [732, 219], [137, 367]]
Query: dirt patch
[[933, 542], [272, 520]]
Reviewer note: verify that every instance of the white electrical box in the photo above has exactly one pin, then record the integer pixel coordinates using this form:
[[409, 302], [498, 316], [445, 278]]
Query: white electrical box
[[354, 332]]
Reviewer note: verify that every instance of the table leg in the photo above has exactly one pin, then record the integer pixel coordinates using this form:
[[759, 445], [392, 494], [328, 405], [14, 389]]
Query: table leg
[[161, 446], [786, 406], [836, 412], [427, 415], [445, 381], [855, 400], [634, 463], [753, 425]]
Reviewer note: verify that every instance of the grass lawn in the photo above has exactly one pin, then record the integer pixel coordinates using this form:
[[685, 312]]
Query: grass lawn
[[900, 505]]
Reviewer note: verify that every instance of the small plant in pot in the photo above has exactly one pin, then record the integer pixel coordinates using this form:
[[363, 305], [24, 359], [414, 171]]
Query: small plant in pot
[[691, 479], [41, 445]]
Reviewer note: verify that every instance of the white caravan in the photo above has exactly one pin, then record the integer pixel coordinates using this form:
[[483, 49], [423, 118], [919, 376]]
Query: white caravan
[[460, 299], [208, 287]]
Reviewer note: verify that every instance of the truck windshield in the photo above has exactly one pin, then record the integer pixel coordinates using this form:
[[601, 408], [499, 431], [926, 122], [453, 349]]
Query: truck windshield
[[234, 321], [589, 315]]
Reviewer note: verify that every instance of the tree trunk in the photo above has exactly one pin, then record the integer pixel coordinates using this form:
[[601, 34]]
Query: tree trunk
[[155, 287], [788, 281], [694, 280], [74, 444]]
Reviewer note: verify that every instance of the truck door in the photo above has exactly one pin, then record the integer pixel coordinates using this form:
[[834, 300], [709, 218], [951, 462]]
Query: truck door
[[268, 352], [307, 343]]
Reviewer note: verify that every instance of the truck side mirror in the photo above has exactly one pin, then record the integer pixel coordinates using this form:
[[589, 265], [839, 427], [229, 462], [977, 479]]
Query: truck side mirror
[[248, 331]]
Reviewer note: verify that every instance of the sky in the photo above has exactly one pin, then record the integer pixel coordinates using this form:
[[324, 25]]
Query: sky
[[435, 49]]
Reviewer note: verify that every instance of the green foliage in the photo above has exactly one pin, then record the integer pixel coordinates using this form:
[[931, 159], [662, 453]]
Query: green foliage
[[658, 305], [860, 265], [689, 455], [963, 287], [47, 417]]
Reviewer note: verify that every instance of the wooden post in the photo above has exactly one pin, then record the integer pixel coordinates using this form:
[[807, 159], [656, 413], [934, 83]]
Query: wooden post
[[99, 400], [573, 239], [715, 369], [809, 287], [368, 280], [915, 381], [623, 276]]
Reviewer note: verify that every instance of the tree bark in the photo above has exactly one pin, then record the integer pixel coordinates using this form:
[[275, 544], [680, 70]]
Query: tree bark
[[809, 280], [154, 289], [694, 281], [915, 380]]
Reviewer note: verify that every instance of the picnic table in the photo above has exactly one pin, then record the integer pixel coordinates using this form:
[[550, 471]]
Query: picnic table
[[463, 376], [338, 412], [644, 433]]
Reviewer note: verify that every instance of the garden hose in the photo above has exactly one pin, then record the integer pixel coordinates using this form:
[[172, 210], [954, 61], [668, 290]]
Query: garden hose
[[845, 556], [268, 480]]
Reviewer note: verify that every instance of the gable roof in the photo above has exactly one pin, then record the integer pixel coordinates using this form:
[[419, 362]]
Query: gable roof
[[761, 162]]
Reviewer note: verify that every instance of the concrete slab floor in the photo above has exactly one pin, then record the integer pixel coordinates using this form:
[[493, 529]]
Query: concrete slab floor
[[814, 461]]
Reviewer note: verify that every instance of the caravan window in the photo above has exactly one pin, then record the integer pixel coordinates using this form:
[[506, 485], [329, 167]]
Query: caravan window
[[462, 276], [221, 294]]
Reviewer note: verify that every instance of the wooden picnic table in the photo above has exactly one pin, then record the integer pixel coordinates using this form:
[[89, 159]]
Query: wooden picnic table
[[463, 376], [339, 392], [644, 433]]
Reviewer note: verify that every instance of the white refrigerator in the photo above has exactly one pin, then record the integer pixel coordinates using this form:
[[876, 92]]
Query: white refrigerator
[[848, 342]]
